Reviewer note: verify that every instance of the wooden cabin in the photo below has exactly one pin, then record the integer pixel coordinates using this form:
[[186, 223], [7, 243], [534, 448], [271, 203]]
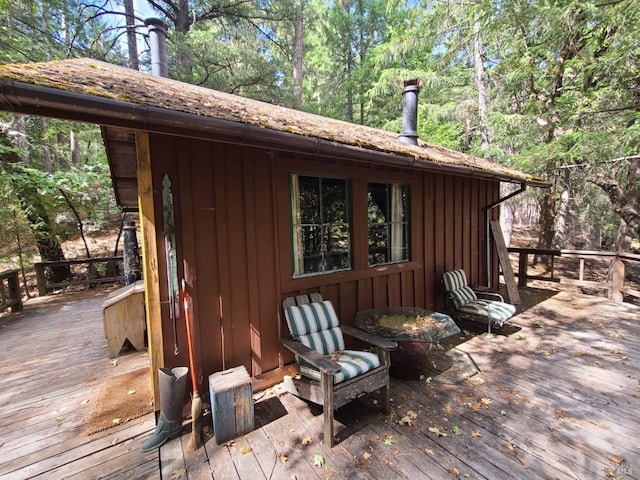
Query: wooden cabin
[[269, 202]]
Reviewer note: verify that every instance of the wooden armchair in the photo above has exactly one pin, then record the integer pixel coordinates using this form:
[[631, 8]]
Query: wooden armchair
[[466, 304], [330, 375]]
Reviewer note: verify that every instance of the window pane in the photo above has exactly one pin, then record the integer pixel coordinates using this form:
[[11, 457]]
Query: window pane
[[334, 200], [388, 223], [321, 234], [309, 188]]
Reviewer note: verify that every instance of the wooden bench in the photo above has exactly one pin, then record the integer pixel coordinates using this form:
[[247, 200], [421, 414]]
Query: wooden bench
[[124, 318]]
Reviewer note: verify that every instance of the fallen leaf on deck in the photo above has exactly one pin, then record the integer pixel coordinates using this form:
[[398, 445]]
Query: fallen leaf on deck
[[60, 418], [283, 458], [178, 474], [85, 401], [486, 401], [437, 432], [408, 418], [116, 421], [476, 434], [307, 441], [447, 409], [246, 450], [617, 460], [456, 430], [389, 441], [131, 392], [114, 362], [454, 472], [366, 455], [318, 460]]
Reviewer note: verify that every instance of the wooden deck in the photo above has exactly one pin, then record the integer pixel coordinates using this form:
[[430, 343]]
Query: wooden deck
[[558, 397], [54, 358]]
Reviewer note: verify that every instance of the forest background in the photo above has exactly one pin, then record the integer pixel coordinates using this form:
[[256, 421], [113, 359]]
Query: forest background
[[548, 87]]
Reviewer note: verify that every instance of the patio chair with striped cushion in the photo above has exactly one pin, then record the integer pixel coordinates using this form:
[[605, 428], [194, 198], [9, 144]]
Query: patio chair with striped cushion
[[466, 304], [330, 375]]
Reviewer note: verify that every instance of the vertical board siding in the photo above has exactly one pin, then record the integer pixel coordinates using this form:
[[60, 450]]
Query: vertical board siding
[[267, 253], [207, 285], [234, 236], [238, 291]]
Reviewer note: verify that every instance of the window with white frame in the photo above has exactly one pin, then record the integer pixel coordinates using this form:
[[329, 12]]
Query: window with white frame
[[320, 224], [388, 222]]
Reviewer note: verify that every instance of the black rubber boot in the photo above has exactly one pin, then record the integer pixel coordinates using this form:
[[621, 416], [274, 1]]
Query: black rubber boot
[[172, 393]]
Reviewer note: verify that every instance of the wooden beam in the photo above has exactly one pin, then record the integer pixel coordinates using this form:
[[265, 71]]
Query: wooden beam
[[150, 260], [505, 263]]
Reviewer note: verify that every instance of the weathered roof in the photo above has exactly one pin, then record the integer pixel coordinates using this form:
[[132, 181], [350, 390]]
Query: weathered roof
[[112, 95]]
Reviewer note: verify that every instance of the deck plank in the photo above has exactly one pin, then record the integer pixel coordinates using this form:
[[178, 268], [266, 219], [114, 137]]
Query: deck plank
[[59, 359]]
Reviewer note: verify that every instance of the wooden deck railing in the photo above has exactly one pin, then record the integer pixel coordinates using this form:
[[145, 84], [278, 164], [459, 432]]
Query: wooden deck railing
[[10, 295], [84, 271], [615, 283]]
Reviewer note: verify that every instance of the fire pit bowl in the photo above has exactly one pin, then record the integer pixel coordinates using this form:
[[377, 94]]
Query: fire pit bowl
[[415, 330]]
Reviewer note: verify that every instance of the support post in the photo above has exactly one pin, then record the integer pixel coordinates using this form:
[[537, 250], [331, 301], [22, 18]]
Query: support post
[[130, 253], [523, 264], [150, 260], [617, 280]]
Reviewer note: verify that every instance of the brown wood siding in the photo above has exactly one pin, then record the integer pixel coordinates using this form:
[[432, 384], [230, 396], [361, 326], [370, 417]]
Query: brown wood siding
[[234, 236]]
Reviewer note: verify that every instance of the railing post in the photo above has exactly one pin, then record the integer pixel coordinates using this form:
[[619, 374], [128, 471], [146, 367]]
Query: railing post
[[617, 280], [14, 291], [41, 279], [523, 264]]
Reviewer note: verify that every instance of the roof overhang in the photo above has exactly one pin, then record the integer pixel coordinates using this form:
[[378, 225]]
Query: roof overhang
[[120, 119]]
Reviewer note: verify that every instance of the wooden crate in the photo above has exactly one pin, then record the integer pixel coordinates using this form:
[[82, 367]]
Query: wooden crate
[[231, 403]]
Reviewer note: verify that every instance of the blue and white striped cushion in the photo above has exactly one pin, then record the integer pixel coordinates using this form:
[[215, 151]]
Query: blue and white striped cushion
[[325, 341], [454, 280], [498, 312], [313, 317], [462, 295], [316, 325], [353, 363]]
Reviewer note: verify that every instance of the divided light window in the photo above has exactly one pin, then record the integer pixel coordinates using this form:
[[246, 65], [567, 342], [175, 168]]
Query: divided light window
[[320, 223], [388, 220]]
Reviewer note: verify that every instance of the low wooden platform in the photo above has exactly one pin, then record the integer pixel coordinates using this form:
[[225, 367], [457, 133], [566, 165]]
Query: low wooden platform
[[558, 397], [54, 357]]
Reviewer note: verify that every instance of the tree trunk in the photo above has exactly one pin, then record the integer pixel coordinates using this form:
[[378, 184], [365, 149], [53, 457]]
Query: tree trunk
[[74, 145], [46, 151], [547, 224], [182, 20], [48, 245], [485, 142], [559, 237], [132, 43], [298, 55], [623, 239]]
